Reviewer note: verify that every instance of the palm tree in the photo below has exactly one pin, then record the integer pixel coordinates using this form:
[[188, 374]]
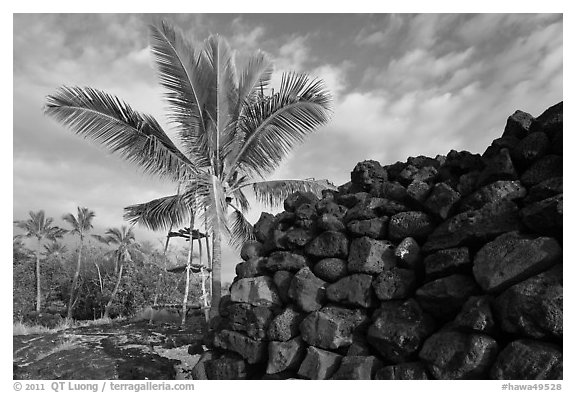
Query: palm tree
[[124, 242], [40, 227], [81, 224], [232, 133]]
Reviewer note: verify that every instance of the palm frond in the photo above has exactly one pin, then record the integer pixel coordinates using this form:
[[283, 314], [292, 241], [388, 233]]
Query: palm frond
[[185, 75], [273, 126], [241, 230], [273, 193], [211, 204], [102, 239], [159, 214], [136, 137]]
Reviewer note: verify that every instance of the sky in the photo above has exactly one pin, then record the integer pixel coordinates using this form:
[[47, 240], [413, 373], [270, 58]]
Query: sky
[[403, 85]]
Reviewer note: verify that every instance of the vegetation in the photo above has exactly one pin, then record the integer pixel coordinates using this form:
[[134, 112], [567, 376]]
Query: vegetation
[[233, 131]]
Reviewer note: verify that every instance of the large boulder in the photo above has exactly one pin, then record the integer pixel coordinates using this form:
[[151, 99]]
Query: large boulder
[[358, 367], [518, 124], [493, 192], [370, 256], [476, 316], [444, 297], [545, 168], [376, 228], [544, 190], [354, 290], [285, 325], [528, 359], [253, 267], [331, 269], [251, 320], [498, 167], [307, 290], [329, 244], [532, 147], [447, 262], [408, 254], [395, 283], [398, 330], [285, 260], [442, 200], [254, 351], [511, 258], [299, 198], [332, 327], [331, 223], [368, 173], [475, 226], [257, 291], [456, 355], [285, 355], [533, 307], [545, 216], [283, 279], [319, 364], [251, 249], [414, 224]]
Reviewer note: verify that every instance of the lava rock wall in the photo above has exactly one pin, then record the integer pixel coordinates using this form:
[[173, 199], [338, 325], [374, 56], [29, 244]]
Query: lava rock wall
[[434, 268]]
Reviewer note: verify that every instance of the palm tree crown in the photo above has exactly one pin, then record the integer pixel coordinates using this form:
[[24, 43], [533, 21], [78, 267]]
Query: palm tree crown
[[232, 132], [81, 223], [40, 227]]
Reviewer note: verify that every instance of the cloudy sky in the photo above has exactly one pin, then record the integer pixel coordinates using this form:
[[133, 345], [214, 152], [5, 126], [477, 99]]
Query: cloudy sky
[[404, 85]]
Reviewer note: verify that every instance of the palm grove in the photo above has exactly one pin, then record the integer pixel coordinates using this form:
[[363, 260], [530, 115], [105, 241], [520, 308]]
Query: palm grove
[[231, 132]]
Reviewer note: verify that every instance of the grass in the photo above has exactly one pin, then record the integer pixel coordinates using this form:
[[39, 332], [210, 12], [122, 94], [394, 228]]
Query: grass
[[20, 328], [62, 346]]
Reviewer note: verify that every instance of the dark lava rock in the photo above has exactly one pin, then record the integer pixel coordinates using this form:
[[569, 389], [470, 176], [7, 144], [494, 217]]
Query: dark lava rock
[[319, 364], [306, 211], [528, 359], [444, 297], [456, 355], [225, 367], [376, 228], [398, 330], [447, 262], [550, 121], [547, 189], [331, 269], [512, 258], [299, 198], [351, 200], [251, 249], [545, 216], [395, 283], [467, 183], [307, 290], [368, 172], [285, 325], [328, 206], [332, 327], [534, 146], [403, 371], [359, 346], [254, 351], [408, 253], [518, 124], [442, 200], [370, 256], [329, 222], [276, 241], [285, 355], [410, 224], [493, 192], [478, 225], [459, 162], [284, 260], [298, 237], [263, 227], [354, 290], [390, 191], [358, 367], [252, 320], [282, 279], [251, 268], [533, 307], [258, 291], [498, 167], [418, 191], [476, 315], [545, 168], [557, 145], [328, 245]]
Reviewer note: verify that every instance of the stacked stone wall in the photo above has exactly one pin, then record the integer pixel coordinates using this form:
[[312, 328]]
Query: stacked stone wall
[[434, 268]]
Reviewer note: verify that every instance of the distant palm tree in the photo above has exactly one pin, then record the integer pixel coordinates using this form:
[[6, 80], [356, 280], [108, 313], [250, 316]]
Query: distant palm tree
[[55, 249], [39, 227], [81, 224], [124, 242], [232, 130]]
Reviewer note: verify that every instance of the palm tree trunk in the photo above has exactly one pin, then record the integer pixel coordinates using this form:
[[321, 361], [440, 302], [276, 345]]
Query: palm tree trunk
[[75, 280], [209, 264], [216, 272], [114, 292], [38, 281], [159, 281], [188, 263]]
